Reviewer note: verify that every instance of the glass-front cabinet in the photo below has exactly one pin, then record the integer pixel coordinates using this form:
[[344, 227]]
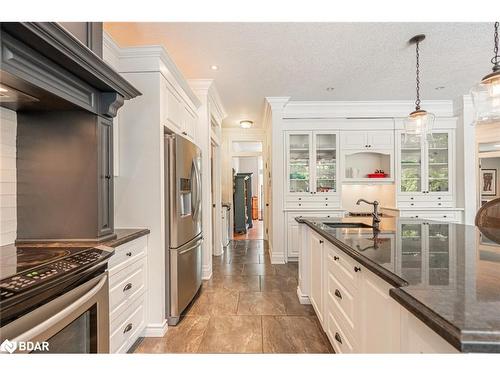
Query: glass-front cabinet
[[425, 164], [312, 162]]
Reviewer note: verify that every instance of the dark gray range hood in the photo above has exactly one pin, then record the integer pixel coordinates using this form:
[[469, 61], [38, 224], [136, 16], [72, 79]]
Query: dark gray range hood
[[65, 97]]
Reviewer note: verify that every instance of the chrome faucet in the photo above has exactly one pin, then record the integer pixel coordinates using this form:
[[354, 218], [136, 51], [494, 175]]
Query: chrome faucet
[[375, 213]]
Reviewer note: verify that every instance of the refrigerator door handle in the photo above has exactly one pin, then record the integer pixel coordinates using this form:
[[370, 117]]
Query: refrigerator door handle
[[198, 189], [198, 243]]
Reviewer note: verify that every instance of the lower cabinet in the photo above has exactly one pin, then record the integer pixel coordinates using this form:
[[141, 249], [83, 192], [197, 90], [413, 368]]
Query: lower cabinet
[[316, 274], [127, 294], [355, 309], [293, 228]]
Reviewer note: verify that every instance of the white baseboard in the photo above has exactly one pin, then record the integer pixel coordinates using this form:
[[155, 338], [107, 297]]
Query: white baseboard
[[303, 299], [156, 330], [206, 272]]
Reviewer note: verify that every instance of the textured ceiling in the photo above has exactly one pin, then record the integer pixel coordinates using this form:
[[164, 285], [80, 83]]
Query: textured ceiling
[[362, 61]]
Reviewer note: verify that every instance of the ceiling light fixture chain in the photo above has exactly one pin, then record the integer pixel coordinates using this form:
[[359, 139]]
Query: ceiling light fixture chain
[[417, 101], [496, 59]]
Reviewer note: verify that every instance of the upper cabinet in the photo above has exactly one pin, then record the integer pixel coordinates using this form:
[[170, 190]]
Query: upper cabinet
[[177, 115], [367, 155], [312, 162], [425, 169]]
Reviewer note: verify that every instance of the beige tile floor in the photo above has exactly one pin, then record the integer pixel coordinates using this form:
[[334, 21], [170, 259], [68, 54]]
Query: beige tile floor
[[249, 306]]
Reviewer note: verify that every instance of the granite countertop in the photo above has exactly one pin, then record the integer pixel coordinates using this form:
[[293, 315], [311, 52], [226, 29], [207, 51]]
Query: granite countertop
[[447, 275], [122, 236]]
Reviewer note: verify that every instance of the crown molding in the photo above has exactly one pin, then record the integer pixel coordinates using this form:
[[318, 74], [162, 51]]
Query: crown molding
[[277, 102], [155, 58], [363, 109], [208, 87]]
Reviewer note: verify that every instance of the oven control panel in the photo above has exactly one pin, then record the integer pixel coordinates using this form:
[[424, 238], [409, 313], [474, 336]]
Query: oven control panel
[[18, 283]]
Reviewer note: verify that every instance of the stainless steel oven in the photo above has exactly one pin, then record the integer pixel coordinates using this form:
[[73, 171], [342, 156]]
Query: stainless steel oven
[[77, 321]]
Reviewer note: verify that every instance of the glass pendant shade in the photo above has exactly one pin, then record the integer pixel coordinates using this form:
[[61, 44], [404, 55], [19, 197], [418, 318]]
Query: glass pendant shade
[[486, 99], [419, 122]]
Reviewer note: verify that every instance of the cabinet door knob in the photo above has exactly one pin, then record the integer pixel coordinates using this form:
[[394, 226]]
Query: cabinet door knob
[[357, 269], [412, 204], [439, 204], [129, 254], [108, 177], [338, 338], [338, 294], [300, 204], [320, 241], [128, 328], [335, 257], [185, 133], [127, 287]]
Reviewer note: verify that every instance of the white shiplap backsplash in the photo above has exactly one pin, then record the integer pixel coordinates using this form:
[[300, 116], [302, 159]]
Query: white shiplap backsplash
[[8, 211]]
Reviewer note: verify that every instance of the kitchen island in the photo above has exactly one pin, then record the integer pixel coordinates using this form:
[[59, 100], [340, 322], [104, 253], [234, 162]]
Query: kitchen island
[[413, 286]]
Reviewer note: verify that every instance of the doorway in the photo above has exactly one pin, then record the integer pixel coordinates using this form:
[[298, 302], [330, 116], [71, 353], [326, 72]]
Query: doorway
[[248, 203]]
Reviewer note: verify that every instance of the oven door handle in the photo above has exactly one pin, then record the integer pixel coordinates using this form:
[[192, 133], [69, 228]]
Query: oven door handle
[[61, 315]]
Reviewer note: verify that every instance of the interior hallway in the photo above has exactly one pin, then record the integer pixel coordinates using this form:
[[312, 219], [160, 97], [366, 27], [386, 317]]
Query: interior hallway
[[249, 306]]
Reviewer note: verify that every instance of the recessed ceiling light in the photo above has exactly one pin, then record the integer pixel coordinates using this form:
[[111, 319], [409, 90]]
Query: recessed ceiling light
[[214, 67], [330, 88], [439, 88], [246, 124]]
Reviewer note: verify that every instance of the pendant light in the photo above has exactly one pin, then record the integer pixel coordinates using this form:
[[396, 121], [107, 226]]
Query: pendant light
[[486, 94], [419, 122]]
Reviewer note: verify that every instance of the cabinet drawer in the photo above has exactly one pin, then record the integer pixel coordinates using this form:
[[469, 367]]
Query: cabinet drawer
[[424, 204], [125, 286], [127, 328], [342, 266], [127, 254], [313, 205], [425, 198], [340, 342], [323, 214], [341, 301], [449, 216]]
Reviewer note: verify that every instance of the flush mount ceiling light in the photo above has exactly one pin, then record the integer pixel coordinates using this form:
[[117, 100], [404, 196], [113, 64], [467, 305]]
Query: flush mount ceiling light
[[214, 67], [246, 124], [486, 94], [419, 122]]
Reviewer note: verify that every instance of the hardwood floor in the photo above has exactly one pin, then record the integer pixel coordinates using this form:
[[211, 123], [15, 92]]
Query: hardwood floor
[[249, 306], [254, 233]]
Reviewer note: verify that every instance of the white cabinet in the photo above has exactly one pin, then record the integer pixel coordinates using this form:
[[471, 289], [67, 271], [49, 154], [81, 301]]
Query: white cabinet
[[425, 175], [353, 304], [176, 114], [364, 153], [370, 139], [311, 169], [127, 294], [416, 337], [451, 216], [293, 242], [316, 274]]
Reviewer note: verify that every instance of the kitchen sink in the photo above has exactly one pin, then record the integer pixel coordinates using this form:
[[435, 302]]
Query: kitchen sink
[[347, 225]]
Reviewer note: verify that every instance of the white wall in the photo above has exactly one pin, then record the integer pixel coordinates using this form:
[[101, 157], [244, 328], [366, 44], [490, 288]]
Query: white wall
[[8, 201], [385, 194]]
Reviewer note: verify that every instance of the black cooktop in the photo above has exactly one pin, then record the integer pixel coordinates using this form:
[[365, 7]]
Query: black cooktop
[[26, 268]]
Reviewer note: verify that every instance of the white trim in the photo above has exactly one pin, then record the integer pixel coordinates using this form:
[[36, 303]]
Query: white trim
[[361, 109], [206, 273], [156, 58], [277, 258], [303, 299], [156, 330]]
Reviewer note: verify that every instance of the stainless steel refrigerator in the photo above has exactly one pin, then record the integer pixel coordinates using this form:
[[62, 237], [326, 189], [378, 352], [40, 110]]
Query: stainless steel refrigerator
[[184, 234]]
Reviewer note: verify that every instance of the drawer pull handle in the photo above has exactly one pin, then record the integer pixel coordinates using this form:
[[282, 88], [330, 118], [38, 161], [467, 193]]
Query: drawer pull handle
[[439, 204], [357, 269], [320, 241], [129, 254], [338, 338], [128, 328], [412, 204], [127, 287], [337, 294], [335, 257]]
